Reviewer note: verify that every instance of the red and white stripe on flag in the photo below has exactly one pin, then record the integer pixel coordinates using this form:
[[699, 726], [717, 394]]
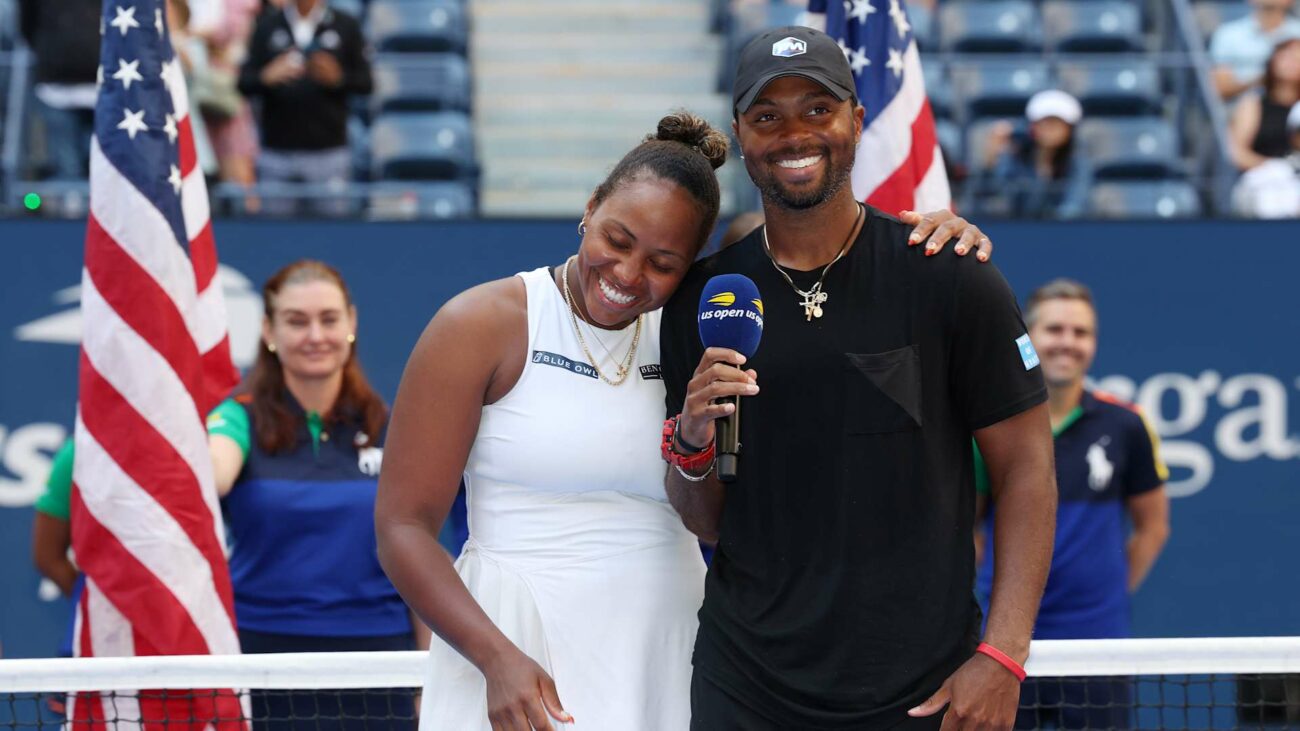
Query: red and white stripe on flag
[[155, 358], [899, 165]]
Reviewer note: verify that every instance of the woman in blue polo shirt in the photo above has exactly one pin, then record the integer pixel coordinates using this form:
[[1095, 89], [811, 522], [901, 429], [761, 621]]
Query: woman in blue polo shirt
[[297, 454]]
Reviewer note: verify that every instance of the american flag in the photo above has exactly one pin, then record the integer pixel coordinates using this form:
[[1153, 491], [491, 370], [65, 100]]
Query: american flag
[[155, 357], [899, 166]]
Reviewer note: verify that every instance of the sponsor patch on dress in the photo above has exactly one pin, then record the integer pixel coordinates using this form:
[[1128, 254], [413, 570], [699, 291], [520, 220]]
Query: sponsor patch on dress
[[559, 361], [652, 372]]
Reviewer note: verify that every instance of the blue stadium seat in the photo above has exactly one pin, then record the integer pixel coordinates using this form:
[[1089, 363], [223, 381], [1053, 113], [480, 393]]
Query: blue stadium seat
[[402, 200], [355, 8], [998, 88], [938, 89], [1211, 14], [950, 142], [1140, 147], [424, 82], [422, 146], [8, 24], [418, 26], [989, 26], [1113, 86], [1092, 26], [1144, 199]]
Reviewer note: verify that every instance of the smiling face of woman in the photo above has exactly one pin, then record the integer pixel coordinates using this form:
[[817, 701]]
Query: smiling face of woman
[[640, 241], [310, 325]]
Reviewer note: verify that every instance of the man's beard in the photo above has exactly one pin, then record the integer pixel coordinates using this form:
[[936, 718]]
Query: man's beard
[[839, 170]]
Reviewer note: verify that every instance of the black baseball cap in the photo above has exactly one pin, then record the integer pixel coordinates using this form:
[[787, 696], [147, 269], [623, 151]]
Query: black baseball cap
[[793, 50]]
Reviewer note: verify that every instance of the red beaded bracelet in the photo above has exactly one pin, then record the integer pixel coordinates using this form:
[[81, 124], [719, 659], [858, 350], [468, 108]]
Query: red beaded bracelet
[[691, 463], [1003, 659]]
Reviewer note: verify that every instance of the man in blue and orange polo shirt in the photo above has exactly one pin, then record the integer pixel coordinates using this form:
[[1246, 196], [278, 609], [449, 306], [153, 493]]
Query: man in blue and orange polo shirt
[[1110, 476]]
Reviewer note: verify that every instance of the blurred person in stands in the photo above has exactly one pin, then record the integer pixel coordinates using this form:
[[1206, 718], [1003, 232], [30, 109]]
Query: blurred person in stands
[[1110, 477], [1258, 130], [64, 38], [52, 535], [304, 60], [226, 28], [1039, 170], [297, 453], [578, 588], [193, 54], [1238, 49], [1272, 188]]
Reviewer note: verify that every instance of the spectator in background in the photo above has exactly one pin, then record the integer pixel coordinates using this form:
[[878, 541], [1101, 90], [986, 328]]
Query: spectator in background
[[51, 532], [225, 111], [1272, 188], [64, 37], [303, 62], [1239, 49], [1039, 171], [1258, 130], [193, 55], [1107, 469]]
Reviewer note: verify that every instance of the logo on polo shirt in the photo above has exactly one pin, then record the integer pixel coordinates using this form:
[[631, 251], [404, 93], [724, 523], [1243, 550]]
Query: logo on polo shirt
[[1100, 468], [1027, 353], [788, 47]]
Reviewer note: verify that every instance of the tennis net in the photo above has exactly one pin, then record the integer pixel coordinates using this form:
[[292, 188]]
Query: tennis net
[[1225, 683]]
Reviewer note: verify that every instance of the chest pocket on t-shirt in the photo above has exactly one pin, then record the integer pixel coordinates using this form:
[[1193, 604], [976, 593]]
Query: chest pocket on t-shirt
[[882, 391]]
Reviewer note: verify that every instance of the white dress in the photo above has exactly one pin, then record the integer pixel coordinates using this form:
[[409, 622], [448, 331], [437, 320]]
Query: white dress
[[574, 551]]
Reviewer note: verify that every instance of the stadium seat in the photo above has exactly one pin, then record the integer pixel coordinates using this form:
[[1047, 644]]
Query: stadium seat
[[401, 200], [950, 142], [425, 82], [998, 88], [1144, 199], [1142, 147], [989, 26], [355, 8], [422, 146], [1113, 87], [1211, 14], [418, 26], [938, 89], [1092, 26], [8, 25]]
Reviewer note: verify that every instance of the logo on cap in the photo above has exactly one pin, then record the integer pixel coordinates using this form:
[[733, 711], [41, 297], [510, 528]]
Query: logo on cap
[[789, 46]]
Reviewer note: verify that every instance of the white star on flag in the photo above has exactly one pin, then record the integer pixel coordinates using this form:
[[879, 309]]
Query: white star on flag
[[175, 179], [844, 49], [99, 75], [170, 128], [859, 60], [125, 19], [860, 10], [171, 74], [127, 72], [899, 15], [157, 20], [132, 122], [895, 62]]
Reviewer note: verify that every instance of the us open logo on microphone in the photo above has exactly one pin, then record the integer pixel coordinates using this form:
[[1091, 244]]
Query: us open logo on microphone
[[724, 301]]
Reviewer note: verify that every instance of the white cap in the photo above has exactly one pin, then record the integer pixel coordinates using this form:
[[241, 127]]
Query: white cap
[[1054, 103], [1293, 118]]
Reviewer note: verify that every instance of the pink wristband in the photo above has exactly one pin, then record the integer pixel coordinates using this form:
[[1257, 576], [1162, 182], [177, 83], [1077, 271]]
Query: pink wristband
[[1003, 659]]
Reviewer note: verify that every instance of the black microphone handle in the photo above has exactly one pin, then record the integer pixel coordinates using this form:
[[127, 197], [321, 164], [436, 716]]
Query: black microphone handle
[[727, 441]]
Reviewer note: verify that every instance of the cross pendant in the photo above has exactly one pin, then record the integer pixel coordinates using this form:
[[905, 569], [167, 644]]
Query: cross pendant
[[812, 305]]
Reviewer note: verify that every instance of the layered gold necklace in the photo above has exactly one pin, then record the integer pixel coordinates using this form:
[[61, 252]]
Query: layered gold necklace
[[625, 366]]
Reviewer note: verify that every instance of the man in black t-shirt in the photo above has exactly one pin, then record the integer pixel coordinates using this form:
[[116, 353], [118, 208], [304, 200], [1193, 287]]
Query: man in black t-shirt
[[841, 593]]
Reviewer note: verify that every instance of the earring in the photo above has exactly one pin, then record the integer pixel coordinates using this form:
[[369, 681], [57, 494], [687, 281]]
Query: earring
[[582, 227], [270, 347], [352, 338]]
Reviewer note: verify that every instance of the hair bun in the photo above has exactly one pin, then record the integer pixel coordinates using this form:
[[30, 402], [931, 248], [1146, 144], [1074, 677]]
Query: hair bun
[[694, 132]]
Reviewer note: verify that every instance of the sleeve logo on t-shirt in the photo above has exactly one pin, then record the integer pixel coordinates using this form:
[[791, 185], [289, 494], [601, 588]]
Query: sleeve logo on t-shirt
[[1027, 352]]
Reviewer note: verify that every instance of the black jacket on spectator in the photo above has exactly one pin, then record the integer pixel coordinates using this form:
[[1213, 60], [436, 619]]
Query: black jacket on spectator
[[64, 37], [303, 115]]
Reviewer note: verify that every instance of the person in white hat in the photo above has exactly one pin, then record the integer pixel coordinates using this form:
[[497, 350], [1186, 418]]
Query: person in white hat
[[1037, 172]]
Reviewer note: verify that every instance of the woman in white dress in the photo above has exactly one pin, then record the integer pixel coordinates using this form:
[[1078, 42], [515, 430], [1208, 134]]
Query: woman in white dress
[[576, 595], [575, 598]]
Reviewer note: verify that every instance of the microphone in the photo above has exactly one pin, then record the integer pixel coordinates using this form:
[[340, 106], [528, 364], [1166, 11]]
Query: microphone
[[731, 316]]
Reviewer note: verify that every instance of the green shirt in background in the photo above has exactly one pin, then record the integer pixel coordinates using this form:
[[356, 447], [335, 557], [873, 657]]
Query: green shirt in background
[[982, 471], [58, 487]]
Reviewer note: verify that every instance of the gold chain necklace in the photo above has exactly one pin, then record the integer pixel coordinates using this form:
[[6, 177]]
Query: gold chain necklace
[[625, 367], [814, 298]]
